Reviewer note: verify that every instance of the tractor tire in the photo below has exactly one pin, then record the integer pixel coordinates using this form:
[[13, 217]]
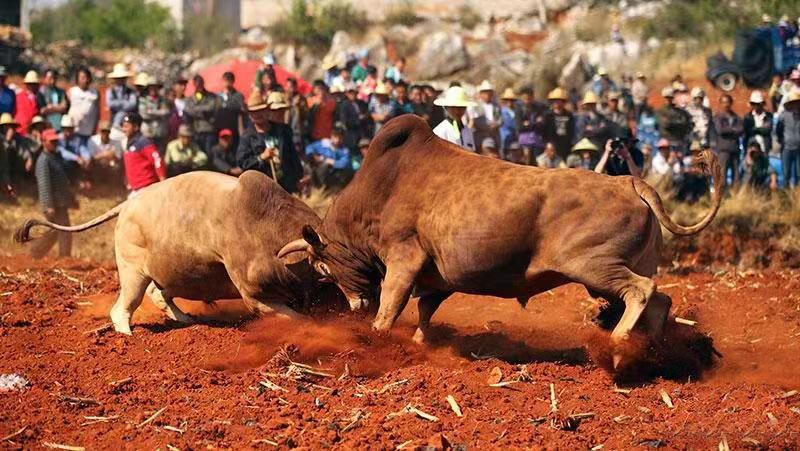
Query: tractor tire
[[726, 82]]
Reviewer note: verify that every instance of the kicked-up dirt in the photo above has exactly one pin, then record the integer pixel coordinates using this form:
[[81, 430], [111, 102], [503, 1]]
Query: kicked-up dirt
[[519, 378]]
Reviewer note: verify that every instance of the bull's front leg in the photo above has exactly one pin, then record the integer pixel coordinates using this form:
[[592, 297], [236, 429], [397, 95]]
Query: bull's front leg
[[403, 264]]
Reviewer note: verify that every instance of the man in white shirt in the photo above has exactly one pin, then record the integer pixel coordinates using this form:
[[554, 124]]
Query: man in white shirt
[[84, 104], [455, 102], [666, 162]]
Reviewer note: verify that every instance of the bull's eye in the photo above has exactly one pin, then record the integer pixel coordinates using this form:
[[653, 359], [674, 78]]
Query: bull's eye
[[322, 268]]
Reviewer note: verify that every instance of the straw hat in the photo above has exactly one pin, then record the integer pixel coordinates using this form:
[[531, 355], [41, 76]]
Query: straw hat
[[454, 96], [508, 94], [640, 75], [584, 144], [329, 62], [794, 97], [154, 81], [602, 71], [67, 122], [756, 97], [277, 101], [557, 94], [37, 120], [697, 91], [255, 102], [668, 92], [104, 126], [381, 89], [614, 95], [485, 86], [8, 119], [142, 79], [31, 77], [119, 71], [185, 130], [589, 97]]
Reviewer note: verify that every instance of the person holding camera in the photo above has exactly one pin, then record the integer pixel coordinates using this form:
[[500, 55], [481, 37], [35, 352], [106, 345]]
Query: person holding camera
[[621, 157]]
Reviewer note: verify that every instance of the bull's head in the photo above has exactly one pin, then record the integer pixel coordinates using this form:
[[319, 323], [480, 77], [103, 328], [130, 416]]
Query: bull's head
[[330, 261]]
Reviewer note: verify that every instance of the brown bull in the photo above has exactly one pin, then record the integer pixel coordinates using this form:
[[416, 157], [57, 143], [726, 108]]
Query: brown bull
[[423, 213], [206, 236]]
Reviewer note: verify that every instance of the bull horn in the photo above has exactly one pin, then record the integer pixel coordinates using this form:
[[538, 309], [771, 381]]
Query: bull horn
[[294, 246]]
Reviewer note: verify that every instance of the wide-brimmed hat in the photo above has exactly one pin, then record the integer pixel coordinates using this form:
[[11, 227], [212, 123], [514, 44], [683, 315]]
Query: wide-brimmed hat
[[255, 102], [794, 97], [668, 92], [508, 94], [31, 77], [152, 80], [488, 143], [185, 130], [8, 119], [697, 91], [104, 126], [485, 86], [142, 79], [589, 97], [584, 144], [363, 142], [679, 86], [37, 120], [269, 58], [329, 62], [454, 96], [663, 142], [67, 122], [381, 89], [756, 97], [119, 71], [557, 94], [277, 101], [614, 95], [640, 75], [601, 71]]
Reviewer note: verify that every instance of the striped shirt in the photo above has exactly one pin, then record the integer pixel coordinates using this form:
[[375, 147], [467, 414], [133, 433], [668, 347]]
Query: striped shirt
[[52, 182]]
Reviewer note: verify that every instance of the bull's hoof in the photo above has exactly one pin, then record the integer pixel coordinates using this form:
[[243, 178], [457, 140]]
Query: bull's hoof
[[419, 337]]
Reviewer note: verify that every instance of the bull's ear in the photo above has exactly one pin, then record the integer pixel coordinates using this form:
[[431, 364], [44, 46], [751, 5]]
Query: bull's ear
[[312, 237]]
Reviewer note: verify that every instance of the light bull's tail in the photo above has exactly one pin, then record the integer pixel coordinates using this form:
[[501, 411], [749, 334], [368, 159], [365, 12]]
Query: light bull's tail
[[707, 161], [23, 233]]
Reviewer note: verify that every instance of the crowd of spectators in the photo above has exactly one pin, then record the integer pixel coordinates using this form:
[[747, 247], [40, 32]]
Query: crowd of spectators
[[54, 139]]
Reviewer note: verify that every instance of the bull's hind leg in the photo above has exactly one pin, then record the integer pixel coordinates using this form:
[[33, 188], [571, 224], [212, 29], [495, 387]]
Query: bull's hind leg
[[165, 302], [269, 308], [132, 287], [428, 303]]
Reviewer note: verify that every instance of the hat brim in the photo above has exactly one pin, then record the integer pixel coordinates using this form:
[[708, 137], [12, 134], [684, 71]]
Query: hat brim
[[585, 149], [259, 107], [118, 75], [15, 124], [278, 106], [446, 103]]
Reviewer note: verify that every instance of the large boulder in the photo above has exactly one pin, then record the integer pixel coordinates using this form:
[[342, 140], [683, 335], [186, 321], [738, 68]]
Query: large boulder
[[441, 54]]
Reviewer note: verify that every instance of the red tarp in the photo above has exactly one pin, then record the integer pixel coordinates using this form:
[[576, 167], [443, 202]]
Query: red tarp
[[245, 73]]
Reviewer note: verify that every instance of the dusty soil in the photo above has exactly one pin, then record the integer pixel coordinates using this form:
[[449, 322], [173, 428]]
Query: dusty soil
[[229, 382]]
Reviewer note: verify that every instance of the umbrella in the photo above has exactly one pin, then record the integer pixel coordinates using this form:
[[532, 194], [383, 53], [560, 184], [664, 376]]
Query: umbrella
[[245, 73]]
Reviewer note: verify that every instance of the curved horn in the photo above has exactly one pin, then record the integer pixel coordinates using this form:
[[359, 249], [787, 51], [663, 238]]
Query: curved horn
[[294, 246]]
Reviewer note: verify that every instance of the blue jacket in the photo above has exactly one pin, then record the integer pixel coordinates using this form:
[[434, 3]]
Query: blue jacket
[[8, 100], [324, 147]]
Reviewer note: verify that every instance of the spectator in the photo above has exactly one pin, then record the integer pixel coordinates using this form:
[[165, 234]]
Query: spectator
[[617, 119], [297, 116], [559, 124], [380, 109], [418, 104], [756, 171], [74, 153], [788, 135], [55, 197], [702, 118], [143, 165], [176, 101], [368, 85], [38, 125], [321, 112], [358, 158], [484, 118], [640, 93], [361, 68], [455, 103], [508, 120], [681, 94], [489, 148], [729, 128], [618, 159], [8, 99], [28, 102], [603, 84], [330, 160], [436, 114], [515, 154], [647, 127], [121, 100], [55, 100], [201, 110], [396, 72], [84, 105], [183, 155], [647, 163], [141, 81], [589, 123], [343, 81], [549, 159], [666, 162], [268, 147], [401, 104], [106, 153], [674, 124], [223, 155], [776, 91], [583, 156], [530, 124], [179, 88], [266, 80], [278, 107], [230, 115], [758, 123], [15, 155], [155, 111], [350, 114]]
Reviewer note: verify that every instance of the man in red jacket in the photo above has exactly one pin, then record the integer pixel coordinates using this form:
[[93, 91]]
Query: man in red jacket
[[143, 165]]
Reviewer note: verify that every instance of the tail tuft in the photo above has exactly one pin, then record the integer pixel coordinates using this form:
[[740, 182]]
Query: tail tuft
[[23, 233]]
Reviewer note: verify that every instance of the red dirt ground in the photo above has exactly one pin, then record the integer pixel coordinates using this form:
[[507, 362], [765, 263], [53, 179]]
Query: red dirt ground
[[206, 376]]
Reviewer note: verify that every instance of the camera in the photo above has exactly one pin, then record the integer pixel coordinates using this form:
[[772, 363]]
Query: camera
[[619, 143]]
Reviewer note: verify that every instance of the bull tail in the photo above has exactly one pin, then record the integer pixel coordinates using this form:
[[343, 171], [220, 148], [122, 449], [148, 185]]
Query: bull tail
[[707, 161], [23, 233]]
